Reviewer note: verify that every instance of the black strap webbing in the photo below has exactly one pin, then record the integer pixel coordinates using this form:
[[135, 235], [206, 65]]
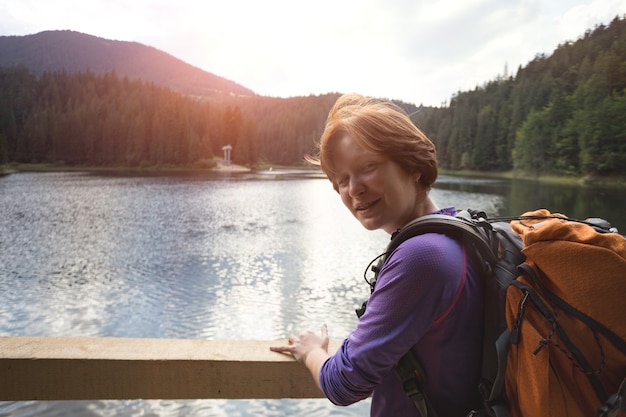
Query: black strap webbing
[[577, 357], [413, 379], [496, 400]]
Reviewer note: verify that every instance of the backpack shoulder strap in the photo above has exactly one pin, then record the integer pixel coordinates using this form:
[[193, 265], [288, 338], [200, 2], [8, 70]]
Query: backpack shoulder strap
[[457, 227], [476, 235]]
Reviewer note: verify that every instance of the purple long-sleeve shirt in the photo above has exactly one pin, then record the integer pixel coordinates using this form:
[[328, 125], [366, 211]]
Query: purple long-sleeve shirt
[[428, 299]]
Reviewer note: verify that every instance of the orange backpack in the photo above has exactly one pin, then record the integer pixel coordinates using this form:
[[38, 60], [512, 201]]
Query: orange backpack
[[567, 316], [554, 315]]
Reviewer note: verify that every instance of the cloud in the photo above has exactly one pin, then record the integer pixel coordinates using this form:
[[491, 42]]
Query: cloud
[[575, 21]]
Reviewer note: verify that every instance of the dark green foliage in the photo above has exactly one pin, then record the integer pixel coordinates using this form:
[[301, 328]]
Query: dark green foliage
[[90, 119], [85, 118], [563, 114]]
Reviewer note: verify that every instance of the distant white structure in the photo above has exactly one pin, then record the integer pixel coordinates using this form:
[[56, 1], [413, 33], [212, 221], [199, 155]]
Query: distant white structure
[[227, 151]]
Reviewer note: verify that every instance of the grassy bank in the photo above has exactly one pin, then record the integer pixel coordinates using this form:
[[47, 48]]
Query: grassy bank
[[200, 166], [585, 181]]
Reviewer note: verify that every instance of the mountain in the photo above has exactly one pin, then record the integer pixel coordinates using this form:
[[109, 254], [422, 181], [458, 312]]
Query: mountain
[[77, 52]]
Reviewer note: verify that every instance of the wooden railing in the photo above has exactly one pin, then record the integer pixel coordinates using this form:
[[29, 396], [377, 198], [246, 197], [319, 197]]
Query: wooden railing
[[79, 368]]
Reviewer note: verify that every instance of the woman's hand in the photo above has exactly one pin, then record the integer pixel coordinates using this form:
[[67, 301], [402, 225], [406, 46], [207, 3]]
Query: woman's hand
[[302, 345], [308, 348]]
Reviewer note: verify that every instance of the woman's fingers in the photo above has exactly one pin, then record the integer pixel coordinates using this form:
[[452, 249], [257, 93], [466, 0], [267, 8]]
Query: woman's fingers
[[282, 349], [324, 331], [299, 346]]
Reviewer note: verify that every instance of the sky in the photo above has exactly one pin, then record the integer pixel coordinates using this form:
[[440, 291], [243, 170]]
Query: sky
[[417, 51]]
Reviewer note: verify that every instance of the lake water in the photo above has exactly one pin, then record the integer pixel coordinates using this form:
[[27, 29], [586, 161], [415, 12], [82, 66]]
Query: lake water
[[220, 256]]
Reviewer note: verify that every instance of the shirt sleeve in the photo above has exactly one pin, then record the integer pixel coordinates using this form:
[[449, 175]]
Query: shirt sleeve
[[415, 289]]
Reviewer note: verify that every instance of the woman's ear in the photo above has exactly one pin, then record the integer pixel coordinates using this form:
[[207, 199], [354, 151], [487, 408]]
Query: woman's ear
[[417, 176]]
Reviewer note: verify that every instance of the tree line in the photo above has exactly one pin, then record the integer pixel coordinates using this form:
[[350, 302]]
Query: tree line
[[102, 120], [564, 114], [560, 114]]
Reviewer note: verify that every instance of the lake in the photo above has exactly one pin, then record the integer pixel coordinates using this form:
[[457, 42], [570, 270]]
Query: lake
[[211, 256]]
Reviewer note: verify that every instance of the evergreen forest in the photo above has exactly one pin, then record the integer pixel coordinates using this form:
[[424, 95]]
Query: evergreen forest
[[562, 114], [102, 120]]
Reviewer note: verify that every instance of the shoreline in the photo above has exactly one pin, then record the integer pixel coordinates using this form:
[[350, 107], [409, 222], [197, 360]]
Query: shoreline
[[220, 166]]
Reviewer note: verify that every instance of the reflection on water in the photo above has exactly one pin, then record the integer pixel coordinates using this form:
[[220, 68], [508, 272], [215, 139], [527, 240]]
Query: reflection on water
[[520, 196], [212, 257]]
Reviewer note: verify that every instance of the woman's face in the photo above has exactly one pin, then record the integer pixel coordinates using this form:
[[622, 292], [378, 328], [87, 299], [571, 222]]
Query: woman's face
[[376, 190]]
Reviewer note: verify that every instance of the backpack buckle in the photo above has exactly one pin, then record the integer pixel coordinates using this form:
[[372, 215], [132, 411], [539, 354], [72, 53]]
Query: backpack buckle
[[412, 388], [612, 407]]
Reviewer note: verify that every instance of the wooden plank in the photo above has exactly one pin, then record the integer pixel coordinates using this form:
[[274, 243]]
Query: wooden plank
[[60, 368]]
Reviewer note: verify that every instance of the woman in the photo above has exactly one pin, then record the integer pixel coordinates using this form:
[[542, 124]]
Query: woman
[[427, 297]]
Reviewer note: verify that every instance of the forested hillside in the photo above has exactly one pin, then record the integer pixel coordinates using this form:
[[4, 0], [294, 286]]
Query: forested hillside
[[72, 52], [89, 119], [560, 114]]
